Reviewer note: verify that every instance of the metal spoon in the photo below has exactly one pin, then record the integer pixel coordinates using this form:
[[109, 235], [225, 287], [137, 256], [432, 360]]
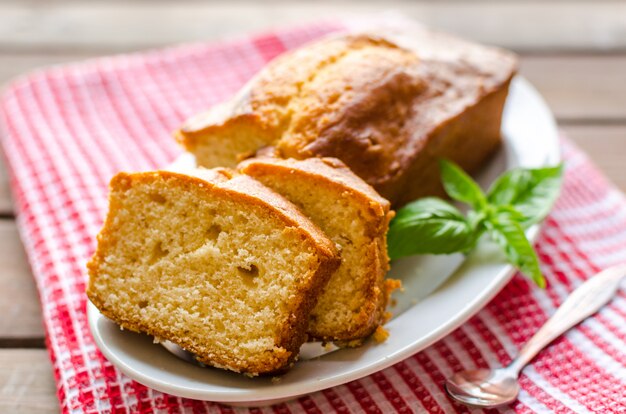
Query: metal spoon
[[493, 388]]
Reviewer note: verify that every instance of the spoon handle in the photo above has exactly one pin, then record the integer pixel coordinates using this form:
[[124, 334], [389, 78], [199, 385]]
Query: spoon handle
[[586, 300]]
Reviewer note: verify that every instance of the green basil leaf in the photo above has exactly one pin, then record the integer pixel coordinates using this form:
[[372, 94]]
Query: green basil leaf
[[428, 226], [509, 234], [531, 192], [461, 186], [476, 219], [508, 211]]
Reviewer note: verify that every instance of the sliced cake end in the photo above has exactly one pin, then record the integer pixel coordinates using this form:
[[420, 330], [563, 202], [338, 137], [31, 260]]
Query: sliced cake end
[[220, 265]]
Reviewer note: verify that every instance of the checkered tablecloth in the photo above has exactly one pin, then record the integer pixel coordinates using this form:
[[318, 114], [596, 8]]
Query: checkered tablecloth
[[67, 130]]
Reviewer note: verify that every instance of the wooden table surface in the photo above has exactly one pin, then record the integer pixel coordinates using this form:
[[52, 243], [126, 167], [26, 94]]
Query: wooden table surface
[[574, 52]]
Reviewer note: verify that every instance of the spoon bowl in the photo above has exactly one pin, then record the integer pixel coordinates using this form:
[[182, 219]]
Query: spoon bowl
[[496, 387], [483, 387]]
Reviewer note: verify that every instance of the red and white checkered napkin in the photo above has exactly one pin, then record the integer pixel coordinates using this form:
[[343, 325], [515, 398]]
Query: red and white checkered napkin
[[68, 130]]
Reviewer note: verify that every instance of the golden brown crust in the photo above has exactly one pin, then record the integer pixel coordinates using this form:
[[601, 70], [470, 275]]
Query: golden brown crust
[[379, 107], [333, 174], [327, 171], [453, 140], [228, 184]]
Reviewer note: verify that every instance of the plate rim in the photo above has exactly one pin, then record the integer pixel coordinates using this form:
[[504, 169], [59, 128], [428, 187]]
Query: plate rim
[[295, 389]]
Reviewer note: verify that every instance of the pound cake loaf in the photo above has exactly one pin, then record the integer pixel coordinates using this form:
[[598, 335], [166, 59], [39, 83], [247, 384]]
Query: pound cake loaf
[[387, 105], [218, 264], [353, 216]]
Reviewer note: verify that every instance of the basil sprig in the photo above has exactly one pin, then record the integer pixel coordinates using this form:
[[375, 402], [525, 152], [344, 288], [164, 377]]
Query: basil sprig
[[518, 199]]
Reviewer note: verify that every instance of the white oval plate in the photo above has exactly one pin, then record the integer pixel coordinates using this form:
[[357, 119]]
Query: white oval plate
[[422, 315]]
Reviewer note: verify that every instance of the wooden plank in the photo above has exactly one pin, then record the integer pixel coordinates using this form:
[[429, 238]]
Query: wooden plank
[[606, 145], [588, 87], [124, 26], [577, 88], [19, 302], [580, 87], [6, 205], [26, 382]]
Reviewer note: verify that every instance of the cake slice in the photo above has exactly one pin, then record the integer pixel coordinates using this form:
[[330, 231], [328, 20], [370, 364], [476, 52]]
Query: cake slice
[[356, 218], [218, 264], [388, 104]]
